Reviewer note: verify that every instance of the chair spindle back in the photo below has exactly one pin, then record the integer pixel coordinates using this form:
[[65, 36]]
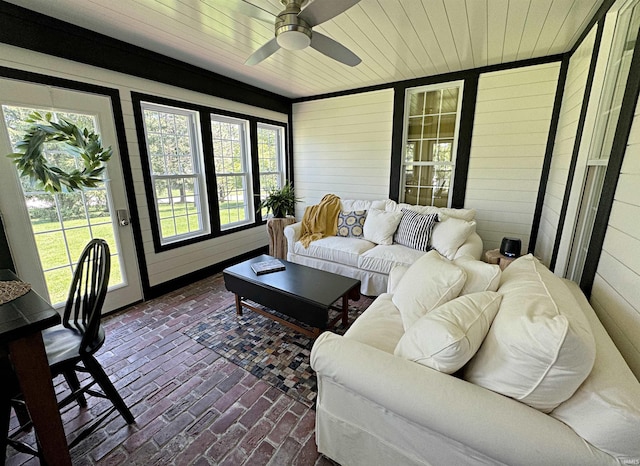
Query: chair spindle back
[[88, 291]]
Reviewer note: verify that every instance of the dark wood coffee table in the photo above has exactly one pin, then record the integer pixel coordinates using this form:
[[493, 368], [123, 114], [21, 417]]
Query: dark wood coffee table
[[301, 292]]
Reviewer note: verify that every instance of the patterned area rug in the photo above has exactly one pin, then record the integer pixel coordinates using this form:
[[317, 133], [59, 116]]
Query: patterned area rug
[[276, 354]]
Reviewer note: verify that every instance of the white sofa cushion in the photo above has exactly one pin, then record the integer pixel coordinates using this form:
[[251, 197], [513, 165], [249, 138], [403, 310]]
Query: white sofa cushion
[[379, 326], [540, 347], [446, 338], [480, 275], [605, 410], [348, 205], [449, 234], [380, 225], [383, 258], [335, 249], [428, 283], [361, 204], [463, 214]]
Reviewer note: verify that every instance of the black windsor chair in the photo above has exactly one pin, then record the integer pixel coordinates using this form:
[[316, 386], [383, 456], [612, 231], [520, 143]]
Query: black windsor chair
[[71, 346]]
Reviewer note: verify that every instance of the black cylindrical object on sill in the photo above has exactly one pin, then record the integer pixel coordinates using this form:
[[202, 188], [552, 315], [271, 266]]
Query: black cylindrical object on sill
[[510, 247]]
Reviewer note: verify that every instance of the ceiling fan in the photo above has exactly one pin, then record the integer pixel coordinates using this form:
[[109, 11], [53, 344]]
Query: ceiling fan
[[293, 30]]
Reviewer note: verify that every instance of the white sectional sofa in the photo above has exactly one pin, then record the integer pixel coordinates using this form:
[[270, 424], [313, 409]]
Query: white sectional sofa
[[547, 385], [370, 261]]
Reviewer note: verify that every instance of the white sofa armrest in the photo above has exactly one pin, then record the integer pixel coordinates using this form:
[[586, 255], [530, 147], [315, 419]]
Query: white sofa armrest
[[397, 272], [472, 247], [292, 233], [489, 423]]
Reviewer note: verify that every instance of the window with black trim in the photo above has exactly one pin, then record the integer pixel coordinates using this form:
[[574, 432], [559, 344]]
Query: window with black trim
[[174, 149], [205, 169], [271, 159], [233, 170], [431, 122]]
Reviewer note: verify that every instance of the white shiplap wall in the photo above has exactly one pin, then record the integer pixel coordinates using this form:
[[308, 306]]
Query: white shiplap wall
[[563, 148], [511, 127], [342, 145], [176, 262], [616, 288]]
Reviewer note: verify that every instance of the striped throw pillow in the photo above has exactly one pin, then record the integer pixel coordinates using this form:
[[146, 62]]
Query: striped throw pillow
[[414, 230]]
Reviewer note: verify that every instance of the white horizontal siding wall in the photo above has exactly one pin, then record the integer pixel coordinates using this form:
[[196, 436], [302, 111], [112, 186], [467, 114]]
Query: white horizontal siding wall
[[342, 145], [563, 148], [511, 127], [177, 262], [616, 288]]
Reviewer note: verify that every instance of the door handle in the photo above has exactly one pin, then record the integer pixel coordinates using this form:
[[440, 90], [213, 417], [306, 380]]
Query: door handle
[[123, 217]]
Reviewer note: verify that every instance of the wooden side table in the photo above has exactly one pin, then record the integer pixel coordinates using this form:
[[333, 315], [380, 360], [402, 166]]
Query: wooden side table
[[493, 256], [277, 240]]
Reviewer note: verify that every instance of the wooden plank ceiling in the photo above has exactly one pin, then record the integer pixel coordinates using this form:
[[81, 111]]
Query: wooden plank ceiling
[[396, 39]]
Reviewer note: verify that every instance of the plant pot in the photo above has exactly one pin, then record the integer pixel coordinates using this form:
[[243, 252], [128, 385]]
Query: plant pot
[[277, 213]]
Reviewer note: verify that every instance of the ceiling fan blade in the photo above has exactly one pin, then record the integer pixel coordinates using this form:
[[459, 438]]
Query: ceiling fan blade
[[249, 9], [333, 49], [323, 10], [263, 52]]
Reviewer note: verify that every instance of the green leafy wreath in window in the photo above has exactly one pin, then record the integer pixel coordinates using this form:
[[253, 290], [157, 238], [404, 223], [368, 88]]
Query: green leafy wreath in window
[[31, 161]]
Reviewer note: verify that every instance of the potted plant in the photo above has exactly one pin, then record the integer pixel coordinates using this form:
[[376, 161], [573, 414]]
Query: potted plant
[[281, 202]]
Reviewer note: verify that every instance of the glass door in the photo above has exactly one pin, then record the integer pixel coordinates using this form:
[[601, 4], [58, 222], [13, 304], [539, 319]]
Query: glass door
[[47, 231], [615, 80]]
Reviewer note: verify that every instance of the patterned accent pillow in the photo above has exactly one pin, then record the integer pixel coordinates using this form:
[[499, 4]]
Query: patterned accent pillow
[[350, 223], [414, 230]]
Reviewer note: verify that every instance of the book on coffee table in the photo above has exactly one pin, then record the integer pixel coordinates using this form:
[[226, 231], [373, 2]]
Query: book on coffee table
[[273, 265]]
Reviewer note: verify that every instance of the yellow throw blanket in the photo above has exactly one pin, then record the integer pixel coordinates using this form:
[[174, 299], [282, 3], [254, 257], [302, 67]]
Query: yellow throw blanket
[[320, 220]]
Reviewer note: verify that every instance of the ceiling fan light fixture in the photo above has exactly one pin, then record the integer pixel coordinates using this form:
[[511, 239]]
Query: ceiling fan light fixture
[[293, 31], [293, 40]]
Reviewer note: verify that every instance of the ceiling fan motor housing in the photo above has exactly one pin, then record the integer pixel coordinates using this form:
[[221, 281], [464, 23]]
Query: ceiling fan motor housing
[[292, 32]]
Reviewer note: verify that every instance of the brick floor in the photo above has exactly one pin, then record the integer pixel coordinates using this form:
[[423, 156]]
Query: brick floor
[[192, 407]]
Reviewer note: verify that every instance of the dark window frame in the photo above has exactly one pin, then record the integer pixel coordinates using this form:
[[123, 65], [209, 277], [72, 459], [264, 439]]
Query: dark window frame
[[205, 113], [198, 171], [465, 132]]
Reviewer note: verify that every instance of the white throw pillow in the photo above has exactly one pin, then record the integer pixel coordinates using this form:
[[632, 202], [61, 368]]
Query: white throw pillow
[[449, 234], [349, 205], [540, 347], [480, 275], [429, 282], [446, 338], [362, 204], [380, 226], [385, 204], [463, 214]]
